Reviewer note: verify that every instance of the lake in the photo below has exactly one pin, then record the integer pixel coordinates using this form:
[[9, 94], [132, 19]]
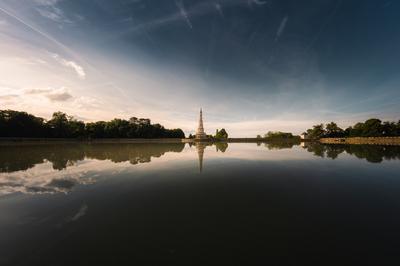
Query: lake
[[242, 203]]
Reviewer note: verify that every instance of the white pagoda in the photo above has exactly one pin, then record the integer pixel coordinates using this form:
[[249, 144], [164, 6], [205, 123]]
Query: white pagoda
[[200, 134]]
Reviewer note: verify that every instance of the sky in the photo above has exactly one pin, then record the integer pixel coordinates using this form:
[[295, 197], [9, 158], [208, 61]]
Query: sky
[[253, 65]]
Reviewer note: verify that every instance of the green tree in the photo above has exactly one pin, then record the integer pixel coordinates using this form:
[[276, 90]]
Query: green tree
[[95, 130], [20, 124], [372, 128], [389, 129], [333, 131], [278, 135], [59, 125], [221, 134], [316, 132]]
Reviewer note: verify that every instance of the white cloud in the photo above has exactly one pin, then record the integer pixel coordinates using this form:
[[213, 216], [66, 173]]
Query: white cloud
[[87, 103], [71, 64], [54, 95]]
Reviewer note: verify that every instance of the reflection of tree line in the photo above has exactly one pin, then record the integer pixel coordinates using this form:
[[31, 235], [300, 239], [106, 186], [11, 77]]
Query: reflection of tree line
[[27, 156], [372, 153], [280, 144]]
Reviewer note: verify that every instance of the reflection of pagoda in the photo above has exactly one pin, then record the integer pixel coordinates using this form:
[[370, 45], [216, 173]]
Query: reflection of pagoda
[[200, 134], [200, 147]]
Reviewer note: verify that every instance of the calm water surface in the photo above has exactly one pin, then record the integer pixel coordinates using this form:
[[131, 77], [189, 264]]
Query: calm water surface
[[156, 204]]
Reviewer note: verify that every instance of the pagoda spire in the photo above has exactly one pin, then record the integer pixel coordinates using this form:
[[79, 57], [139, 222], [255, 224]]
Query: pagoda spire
[[200, 134]]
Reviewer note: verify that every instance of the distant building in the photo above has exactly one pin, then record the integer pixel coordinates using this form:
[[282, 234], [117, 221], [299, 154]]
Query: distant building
[[304, 136], [200, 134]]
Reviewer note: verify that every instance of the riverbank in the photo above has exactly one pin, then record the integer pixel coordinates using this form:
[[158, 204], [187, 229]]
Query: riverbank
[[13, 141], [362, 140]]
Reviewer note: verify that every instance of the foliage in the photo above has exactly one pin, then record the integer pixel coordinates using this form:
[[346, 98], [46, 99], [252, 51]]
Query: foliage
[[221, 134], [370, 128], [316, 132], [22, 124], [278, 135], [332, 130]]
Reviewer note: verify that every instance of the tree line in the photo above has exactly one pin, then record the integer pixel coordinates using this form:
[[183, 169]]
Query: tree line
[[61, 125], [278, 135], [370, 128]]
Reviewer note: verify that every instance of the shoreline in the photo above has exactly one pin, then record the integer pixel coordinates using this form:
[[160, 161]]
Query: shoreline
[[13, 141], [352, 141], [362, 140]]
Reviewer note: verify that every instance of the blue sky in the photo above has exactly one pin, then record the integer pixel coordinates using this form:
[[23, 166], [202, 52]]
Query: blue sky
[[253, 65]]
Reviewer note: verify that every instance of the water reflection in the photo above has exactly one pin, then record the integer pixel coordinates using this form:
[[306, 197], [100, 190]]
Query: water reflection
[[371, 153], [278, 145], [201, 146], [290, 201], [23, 157], [38, 169]]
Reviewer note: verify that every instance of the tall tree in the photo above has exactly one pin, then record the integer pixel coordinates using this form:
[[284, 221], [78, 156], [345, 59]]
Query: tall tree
[[333, 131]]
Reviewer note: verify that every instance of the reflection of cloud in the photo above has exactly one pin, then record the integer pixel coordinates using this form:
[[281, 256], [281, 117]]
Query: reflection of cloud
[[59, 169], [43, 179], [62, 183], [82, 211]]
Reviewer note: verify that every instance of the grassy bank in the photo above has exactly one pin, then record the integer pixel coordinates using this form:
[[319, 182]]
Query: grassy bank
[[363, 140], [13, 141]]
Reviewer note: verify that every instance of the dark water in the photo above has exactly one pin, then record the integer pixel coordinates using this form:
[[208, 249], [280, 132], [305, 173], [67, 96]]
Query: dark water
[[236, 204]]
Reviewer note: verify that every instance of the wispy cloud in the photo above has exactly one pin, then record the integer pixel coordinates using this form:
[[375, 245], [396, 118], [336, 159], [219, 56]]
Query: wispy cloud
[[49, 10], [71, 64], [35, 29], [81, 212], [187, 13], [54, 95], [47, 2], [184, 15], [281, 28]]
